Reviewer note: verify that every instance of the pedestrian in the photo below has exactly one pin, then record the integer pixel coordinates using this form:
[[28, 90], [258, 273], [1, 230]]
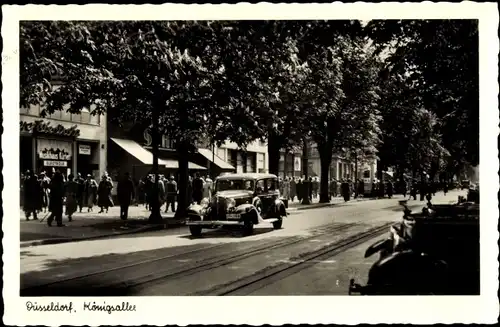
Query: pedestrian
[[150, 185], [331, 189], [445, 187], [104, 200], [161, 190], [390, 189], [71, 191], [141, 192], [197, 188], [79, 194], [286, 189], [31, 195], [423, 190], [90, 192], [45, 191], [293, 189], [125, 193], [190, 189], [56, 199], [315, 187], [300, 190], [404, 187], [171, 191], [346, 190], [207, 187], [311, 189]]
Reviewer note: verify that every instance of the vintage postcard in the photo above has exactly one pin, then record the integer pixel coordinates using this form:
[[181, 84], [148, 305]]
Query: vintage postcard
[[250, 164]]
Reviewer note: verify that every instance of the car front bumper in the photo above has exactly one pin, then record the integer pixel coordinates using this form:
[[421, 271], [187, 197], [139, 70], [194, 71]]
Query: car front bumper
[[214, 223]]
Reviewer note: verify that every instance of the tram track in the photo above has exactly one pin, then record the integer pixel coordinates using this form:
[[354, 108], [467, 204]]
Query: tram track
[[269, 275], [98, 283]]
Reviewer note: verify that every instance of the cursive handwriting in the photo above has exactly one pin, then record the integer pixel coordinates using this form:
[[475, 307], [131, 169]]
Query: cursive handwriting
[[109, 308], [53, 306]]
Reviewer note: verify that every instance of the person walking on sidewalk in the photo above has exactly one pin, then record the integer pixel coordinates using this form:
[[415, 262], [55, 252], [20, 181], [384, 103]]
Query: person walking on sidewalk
[[286, 189], [125, 193], [293, 189], [346, 190], [56, 199], [171, 190], [390, 189], [300, 190], [104, 200], [45, 186], [332, 187], [80, 189], [197, 188], [90, 192], [71, 191], [31, 195]]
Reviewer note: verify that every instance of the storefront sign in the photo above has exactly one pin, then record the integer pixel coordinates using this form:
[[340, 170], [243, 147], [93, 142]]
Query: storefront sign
[[54, 149], [51, 163], [166, 142], [42, 127], [84, 149]]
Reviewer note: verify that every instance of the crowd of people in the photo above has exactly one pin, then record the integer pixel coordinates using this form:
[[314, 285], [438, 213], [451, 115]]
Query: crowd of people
[[41, 193], [198, 188]]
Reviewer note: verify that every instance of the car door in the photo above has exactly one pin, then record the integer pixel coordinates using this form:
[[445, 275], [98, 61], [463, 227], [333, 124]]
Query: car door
[[270, 194]]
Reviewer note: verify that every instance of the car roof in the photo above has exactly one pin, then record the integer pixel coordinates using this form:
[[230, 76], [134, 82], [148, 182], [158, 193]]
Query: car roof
[[246, 176]]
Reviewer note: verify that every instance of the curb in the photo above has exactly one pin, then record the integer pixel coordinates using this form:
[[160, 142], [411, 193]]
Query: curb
[[150, 228]]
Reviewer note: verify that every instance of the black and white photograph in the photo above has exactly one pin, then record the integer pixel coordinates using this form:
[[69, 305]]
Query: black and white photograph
[[233, 153]]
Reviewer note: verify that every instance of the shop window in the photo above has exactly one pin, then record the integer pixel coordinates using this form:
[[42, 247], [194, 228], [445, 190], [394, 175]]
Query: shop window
[[366, 174]]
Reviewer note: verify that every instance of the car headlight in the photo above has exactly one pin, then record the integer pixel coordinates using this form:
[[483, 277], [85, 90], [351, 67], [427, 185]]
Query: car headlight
[[204, 202], [231, 203]]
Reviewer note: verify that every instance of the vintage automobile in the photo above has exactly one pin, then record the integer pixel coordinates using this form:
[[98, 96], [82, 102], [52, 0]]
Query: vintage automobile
[[432, 252], [242, 200]]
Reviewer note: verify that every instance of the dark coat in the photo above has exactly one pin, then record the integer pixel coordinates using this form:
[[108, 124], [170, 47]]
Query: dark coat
[[125, 191], [32, 194], [56, 195], [104, 194]]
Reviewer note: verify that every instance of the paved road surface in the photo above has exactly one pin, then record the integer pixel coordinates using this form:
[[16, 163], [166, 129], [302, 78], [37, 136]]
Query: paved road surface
[[316, 253]]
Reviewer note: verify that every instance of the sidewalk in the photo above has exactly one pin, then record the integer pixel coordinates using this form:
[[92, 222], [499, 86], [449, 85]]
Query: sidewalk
[[90, 225], [294, 206]]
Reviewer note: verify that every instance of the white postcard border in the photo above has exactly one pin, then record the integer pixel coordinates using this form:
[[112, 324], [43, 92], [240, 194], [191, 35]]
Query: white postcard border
[[261, 310]]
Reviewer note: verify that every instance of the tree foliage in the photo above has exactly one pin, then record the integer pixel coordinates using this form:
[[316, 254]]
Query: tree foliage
[[437, 61]]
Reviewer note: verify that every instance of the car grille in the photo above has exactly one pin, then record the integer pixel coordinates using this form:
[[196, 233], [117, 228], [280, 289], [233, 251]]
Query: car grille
[[221, 208]]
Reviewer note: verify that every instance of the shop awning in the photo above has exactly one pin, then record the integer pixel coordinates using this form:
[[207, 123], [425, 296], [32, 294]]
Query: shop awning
[[215, 159], [146, 157], [174, 164]]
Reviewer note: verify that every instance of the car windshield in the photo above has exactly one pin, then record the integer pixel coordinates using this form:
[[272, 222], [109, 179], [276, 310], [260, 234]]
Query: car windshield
[[234, 184]]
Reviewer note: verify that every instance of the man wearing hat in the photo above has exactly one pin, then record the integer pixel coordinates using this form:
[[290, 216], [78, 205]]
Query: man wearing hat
[[171, 191]]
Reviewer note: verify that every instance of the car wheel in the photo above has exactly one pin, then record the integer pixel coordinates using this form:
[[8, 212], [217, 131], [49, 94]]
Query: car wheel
[[195, 230], [277, 224], [248, 227]]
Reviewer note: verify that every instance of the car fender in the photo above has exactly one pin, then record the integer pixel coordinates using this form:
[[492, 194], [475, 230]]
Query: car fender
[[379, 246], [244, 208]]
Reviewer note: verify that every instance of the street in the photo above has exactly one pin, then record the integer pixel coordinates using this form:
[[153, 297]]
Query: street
[[315, 253]]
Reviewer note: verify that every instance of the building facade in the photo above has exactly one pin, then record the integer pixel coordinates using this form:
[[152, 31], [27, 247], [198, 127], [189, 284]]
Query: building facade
[[253, 160], [70, 143], [341, 167]]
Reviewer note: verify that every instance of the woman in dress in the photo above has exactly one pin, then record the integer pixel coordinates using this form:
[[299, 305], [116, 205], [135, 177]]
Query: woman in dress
[[71, 191]]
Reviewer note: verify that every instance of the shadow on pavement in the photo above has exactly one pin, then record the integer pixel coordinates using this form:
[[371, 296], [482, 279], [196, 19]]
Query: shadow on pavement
[[101, 278], [227, 233]]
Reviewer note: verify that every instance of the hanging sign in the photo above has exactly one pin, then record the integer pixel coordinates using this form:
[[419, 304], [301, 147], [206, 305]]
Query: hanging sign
[[84, 149], [52, 163], [43, 127], [296, 163]]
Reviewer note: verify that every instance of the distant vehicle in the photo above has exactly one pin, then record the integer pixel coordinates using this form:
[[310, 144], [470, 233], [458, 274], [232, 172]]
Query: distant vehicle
[[242, 200]]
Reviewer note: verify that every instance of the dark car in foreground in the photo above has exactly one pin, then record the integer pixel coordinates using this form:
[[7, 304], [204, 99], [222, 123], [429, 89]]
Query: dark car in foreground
[[241, 200]]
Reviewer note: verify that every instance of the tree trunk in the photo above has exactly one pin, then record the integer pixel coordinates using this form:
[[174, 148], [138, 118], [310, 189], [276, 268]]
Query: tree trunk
[[305, 171], [273, 152], [182, 198], [325, 157], [155, 216]]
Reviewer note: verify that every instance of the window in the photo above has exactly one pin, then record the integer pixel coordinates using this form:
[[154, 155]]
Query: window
[[260, 186], [366, 174], [272, 184]]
